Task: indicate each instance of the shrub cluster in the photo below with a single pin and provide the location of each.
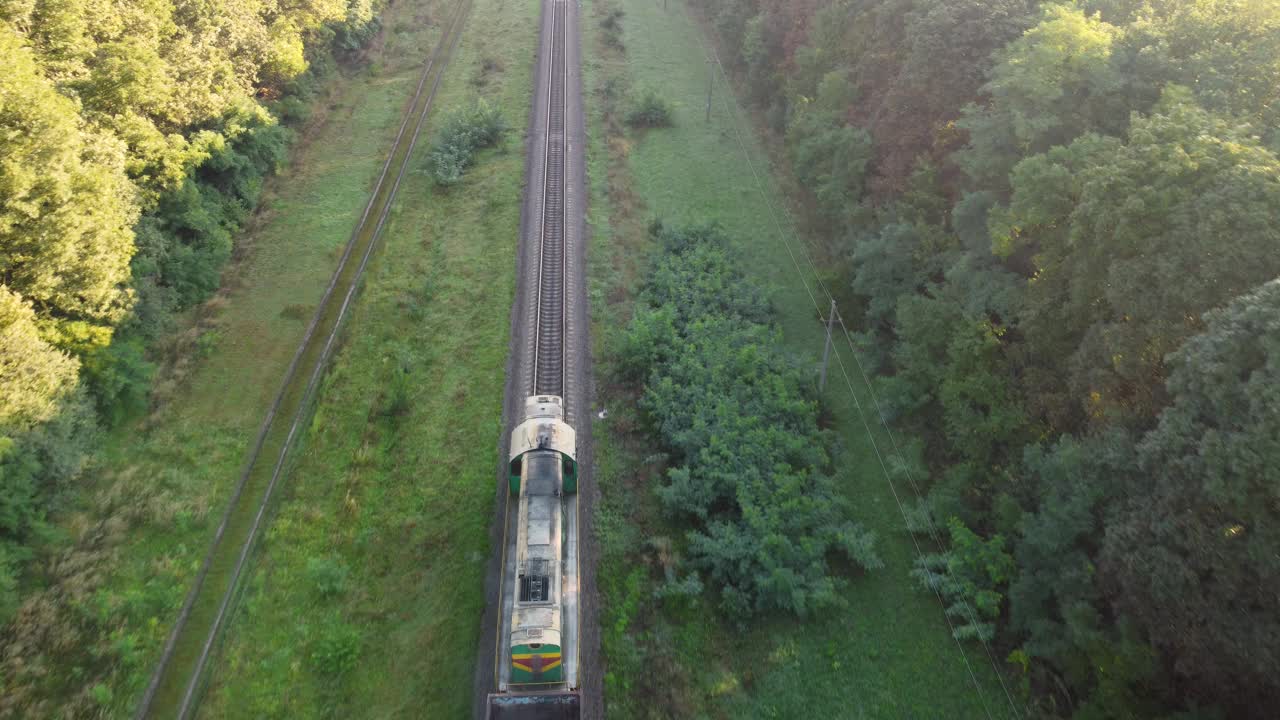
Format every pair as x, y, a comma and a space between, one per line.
749, 465
650, 111
612, 26
336, 649
465, 132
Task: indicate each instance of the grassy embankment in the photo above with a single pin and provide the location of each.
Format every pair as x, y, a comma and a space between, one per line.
888, 654
163, 481
367, 593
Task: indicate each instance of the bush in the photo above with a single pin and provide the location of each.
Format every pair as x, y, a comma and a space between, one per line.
970, 576
465, 132
335, 652
740, 422
120, 378
329, 576
612, 26
650, 112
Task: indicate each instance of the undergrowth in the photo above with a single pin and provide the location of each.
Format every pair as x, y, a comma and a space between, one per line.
465, 132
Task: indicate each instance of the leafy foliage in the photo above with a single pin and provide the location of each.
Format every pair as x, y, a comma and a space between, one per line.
465, 132
1058, 602
34, 377
1048, 87
1117, 228
650, 111
66, 205
1193, 557
337, 648
749, 464
969, 576
830, 158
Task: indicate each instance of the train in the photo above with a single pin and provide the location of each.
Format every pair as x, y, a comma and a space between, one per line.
542, 468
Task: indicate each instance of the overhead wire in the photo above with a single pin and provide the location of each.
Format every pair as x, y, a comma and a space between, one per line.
734, 113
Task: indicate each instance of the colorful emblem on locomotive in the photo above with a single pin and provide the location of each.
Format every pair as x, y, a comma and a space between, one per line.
536, 664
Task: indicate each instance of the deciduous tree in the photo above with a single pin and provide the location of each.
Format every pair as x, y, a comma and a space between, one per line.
1192, 554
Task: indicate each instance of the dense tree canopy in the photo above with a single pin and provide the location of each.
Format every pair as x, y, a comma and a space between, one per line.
941, 71
1193, 555
1122, 266
34, 377
1048, 208
1050, 85
66, 206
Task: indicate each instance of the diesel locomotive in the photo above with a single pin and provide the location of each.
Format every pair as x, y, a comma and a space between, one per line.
542, 469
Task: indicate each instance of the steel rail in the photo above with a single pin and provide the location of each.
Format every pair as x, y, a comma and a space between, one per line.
366, 233
549, 346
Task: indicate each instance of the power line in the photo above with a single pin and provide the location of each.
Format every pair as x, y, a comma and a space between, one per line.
932, 529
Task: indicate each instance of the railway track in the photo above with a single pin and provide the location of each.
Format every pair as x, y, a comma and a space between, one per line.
179, 677
549, 354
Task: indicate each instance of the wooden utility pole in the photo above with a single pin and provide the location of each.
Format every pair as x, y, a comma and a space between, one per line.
826, 353
711, 74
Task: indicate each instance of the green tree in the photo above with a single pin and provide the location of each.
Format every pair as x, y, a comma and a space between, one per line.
1192, 553
1058, 606
885, 270
924, 327
830, 159
951, 377
1048, 87
1124, 261
949, 46
44, 427
66, 207
34, 377
760, 55
1228, 51
980, 410
970, 575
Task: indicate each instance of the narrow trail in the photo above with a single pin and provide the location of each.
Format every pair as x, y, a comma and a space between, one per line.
178, 679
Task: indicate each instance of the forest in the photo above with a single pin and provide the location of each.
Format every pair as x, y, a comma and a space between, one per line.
134, 140
1058, 225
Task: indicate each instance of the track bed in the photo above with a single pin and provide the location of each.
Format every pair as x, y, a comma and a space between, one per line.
548, 357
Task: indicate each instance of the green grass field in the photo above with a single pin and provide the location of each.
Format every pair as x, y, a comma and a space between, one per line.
367, 594
889, 653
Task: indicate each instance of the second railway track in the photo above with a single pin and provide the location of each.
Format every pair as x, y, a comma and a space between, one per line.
175, 685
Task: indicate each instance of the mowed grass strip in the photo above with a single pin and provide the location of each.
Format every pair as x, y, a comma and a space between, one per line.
889, 653
366, 596
162, 482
